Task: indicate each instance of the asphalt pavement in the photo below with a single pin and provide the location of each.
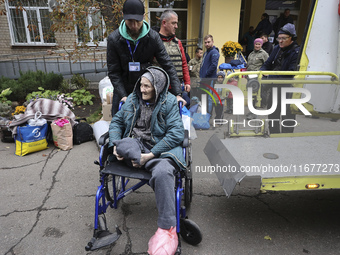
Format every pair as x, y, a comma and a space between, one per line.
47, 207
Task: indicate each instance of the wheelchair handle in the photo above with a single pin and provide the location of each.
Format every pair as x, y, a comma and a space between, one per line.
120, 105
180, 105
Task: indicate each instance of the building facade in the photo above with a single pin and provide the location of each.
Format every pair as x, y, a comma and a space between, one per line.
27, 32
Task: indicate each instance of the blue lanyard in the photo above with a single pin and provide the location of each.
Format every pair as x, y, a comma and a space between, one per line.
129, 46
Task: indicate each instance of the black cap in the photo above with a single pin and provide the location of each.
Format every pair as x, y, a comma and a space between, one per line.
133, 9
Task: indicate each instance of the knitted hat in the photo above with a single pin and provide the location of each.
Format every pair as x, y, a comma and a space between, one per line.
148, 76
258, 40
158, 79
221, 73
288, 29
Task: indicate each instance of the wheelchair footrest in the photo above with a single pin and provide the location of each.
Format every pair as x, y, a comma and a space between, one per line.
104, 238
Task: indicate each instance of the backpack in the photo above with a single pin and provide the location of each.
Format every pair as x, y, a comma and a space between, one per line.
82, 132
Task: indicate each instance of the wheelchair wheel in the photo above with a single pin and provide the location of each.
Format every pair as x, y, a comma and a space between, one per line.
190, 232
109, 187
187, 193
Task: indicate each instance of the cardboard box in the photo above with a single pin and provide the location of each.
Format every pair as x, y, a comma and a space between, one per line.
106, 110
109, 96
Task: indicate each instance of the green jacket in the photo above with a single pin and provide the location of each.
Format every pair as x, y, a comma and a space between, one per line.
196, 65
256, 59
167, 131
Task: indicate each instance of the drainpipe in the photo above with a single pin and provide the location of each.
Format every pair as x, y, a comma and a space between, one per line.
201, 28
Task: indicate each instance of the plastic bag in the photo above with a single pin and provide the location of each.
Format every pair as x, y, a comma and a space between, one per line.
201, 121
187, 123
164, 242
37, 121
105, 86
30, 139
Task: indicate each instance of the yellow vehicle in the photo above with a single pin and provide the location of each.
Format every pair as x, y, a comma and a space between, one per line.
309, 158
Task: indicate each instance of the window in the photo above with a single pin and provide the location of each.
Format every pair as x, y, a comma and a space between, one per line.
156, 9
94, 30
32, 25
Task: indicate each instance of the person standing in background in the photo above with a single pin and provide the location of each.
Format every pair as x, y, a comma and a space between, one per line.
264, 26
267, 46
283, 58
284, 19
248, 39
257, 57
174, 47
209, 64
195, 65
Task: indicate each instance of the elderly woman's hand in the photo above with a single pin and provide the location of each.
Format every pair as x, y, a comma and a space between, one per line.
144, 157
116, 154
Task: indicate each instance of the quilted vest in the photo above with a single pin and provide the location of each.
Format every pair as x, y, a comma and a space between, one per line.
172, 48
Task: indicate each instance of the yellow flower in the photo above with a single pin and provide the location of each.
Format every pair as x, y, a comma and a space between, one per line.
230, 48
19, 109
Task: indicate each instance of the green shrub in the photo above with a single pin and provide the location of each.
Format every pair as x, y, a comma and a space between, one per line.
66, 86
5, 110
49, 94
52, 81
18, 92
30, 82
79, 82
3, 80
4, 96
82, 96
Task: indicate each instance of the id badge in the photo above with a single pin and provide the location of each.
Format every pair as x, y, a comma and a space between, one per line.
134, 66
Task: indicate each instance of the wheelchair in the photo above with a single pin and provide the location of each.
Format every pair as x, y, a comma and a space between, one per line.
114, 185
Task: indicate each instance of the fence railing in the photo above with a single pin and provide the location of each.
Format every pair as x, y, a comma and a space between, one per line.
61, 62
65, 62
190, 46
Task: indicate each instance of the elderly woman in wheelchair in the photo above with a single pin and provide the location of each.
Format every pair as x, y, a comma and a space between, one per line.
146, 137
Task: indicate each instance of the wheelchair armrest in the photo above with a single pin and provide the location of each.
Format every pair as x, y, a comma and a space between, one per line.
103, 138
186, 138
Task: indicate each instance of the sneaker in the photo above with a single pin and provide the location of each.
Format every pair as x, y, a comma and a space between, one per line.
163, 242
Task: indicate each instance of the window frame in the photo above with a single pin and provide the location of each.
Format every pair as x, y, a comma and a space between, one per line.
90, 21
28, 42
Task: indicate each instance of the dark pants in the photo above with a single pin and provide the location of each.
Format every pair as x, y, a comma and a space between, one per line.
186, 97
274, 127
219, 111
229, 105
115, 103
163, 183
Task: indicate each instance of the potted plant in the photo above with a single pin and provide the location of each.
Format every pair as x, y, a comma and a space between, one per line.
230, 49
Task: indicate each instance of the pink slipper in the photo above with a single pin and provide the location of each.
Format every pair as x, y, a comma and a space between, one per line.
163, 242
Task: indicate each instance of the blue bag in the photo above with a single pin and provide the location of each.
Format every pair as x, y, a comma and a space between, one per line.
30, 139
201, 121
185, 111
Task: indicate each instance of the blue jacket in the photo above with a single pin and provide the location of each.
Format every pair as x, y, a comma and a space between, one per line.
167, 131
209, 63
288, 62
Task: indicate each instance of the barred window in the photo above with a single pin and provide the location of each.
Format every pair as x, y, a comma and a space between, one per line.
94, 30
30, 26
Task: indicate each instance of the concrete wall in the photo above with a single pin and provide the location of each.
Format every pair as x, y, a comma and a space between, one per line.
194, 13
257, 8
222, 22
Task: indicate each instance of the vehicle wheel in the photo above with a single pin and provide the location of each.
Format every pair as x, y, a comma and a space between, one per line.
190, 232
